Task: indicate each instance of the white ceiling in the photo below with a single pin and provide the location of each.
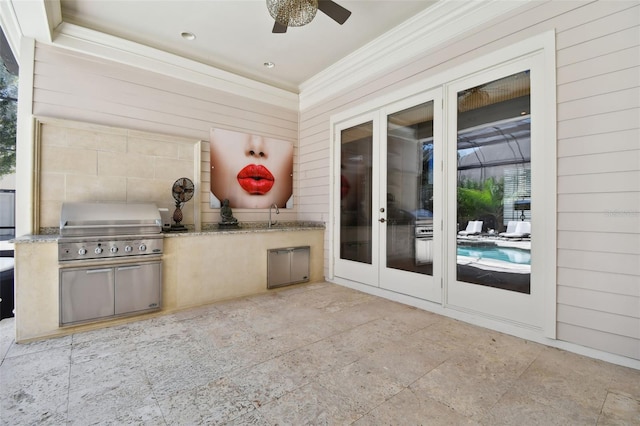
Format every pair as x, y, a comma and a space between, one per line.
235, 35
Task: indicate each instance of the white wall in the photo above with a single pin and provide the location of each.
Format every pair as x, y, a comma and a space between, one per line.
598, 92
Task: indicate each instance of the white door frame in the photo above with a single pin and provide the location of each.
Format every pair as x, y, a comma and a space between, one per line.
544, 190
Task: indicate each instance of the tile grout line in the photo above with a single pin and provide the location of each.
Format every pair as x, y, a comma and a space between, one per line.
73, 338
148, 381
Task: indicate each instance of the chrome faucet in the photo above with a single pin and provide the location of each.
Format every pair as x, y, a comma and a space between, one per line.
277, 212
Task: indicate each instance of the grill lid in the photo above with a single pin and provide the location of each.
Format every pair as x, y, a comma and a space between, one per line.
91, 219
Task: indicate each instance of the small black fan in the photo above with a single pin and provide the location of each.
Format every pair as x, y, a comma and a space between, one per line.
182, 191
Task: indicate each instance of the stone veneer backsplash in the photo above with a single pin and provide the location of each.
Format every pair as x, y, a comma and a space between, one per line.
91, 163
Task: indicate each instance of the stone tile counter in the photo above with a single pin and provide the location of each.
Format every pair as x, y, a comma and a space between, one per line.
198, 268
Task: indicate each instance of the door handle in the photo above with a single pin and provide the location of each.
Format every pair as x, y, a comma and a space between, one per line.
382, 220
128, 268
99, 271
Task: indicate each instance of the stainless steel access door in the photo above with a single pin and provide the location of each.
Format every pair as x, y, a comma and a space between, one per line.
138, 287
86, 294
287, 266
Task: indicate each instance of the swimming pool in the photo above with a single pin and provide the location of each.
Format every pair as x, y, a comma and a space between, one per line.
505, 254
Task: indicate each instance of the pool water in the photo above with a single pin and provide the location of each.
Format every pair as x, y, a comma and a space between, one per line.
506, 254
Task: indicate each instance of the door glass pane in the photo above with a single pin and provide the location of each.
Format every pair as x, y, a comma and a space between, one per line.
410, 189
494, 184
355, 193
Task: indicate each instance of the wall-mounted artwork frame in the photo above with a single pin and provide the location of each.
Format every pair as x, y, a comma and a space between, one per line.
251, 171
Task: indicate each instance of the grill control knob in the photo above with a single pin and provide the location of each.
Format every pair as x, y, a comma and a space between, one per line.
128, 249
113, 249
142, 247
82, 251
98, 250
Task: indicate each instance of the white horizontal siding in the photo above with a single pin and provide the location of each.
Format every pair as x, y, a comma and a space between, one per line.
92, 67
621, 242
604, 182
625, 140
605, 123
576, 203
622, 305
599, 281
598, 184
621, 161
604, 341
600, 261
601, 321
615, 220
109, 93
628, 99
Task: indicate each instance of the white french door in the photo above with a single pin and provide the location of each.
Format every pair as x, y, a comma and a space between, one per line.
493, 143
389, 183
473, 160
356, 200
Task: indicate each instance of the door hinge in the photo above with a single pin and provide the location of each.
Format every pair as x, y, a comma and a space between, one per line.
441, 283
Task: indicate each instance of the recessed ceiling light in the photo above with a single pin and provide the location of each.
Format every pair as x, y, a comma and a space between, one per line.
188, 36
269, 64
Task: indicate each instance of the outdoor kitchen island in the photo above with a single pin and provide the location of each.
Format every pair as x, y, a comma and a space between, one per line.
198, 268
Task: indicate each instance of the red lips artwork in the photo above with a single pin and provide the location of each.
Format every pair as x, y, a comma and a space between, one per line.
256, 179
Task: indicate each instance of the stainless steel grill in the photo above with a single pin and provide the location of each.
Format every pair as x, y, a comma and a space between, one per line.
109, 230
424, 241
110, 261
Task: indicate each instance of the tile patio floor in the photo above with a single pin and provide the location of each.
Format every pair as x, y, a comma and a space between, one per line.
310, 354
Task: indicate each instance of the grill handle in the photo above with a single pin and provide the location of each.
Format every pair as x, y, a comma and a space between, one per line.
119, 225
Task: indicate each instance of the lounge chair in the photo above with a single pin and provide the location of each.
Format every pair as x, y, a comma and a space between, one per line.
511, 228
473, 227
523, 229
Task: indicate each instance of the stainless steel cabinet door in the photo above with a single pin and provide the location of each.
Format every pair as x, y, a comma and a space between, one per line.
138, 287
287, 266
86, 294
278, 268
300, 264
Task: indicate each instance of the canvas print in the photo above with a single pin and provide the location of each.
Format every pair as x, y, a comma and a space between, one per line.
251, 171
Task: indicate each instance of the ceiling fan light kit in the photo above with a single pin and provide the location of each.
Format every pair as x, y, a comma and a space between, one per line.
296, 13
292, 13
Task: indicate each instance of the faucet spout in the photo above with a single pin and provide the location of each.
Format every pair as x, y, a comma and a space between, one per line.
274, 205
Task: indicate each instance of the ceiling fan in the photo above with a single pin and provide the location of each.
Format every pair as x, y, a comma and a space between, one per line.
296, 13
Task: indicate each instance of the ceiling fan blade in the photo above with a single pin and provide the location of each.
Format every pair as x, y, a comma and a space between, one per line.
278, 28
334, 11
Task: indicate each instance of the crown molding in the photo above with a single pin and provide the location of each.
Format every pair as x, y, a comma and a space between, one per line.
431, 27
42, 21
84, 40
